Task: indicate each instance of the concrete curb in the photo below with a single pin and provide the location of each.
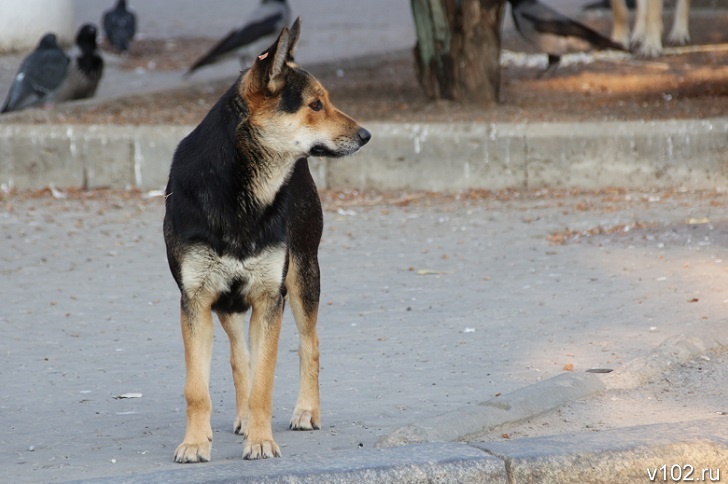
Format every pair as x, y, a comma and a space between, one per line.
691, 451
674, 351
697, 449
34, 156
468, 423
424, 156
442, 463
589, 155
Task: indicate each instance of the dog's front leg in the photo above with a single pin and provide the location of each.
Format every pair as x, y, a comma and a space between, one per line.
303, 287
265, 329
197, 330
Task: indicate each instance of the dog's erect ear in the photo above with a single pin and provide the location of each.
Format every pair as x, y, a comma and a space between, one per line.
293, 34
270, 64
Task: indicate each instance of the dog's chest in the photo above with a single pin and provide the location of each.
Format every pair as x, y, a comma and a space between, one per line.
228, 283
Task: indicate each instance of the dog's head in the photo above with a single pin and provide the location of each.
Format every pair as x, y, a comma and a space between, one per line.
291, 109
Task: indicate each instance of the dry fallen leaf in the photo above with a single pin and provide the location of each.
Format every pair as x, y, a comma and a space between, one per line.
427, 272
698, 221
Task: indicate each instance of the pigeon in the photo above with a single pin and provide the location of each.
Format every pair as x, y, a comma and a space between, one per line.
85, 73
258, 32
606, 5
554, 33
119, 26
41, 75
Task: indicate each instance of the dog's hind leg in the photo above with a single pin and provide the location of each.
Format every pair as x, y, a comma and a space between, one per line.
234, 326
305, 227
197, 330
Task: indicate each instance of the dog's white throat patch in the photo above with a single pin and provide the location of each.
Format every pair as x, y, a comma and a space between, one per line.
266, 185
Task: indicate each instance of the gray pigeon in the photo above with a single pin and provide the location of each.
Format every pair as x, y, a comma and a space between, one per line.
119, 26
258, 32
40, 76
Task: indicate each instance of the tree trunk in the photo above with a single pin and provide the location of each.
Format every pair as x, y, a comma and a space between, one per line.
458, 48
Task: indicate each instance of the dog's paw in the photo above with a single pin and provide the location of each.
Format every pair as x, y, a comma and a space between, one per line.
304, 420
190, 453
239, 425
264, 449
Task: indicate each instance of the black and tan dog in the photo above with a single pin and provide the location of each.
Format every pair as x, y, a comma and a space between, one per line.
242, 228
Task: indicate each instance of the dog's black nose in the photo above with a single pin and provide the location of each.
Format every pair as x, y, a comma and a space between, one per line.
364, 136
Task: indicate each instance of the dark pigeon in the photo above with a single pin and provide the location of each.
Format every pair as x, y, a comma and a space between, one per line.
119, 26
40, 76
86, 71
258, 32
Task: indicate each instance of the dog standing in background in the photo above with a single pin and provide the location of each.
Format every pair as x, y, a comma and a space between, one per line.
648, 25
242, 227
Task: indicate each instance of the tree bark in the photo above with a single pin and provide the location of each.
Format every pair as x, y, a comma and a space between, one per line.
458, 48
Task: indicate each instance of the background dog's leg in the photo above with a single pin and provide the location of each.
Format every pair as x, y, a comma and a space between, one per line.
234, 326
197, 332
265, 329
638, 32
680, 33
303, 287
620, 22
652, 34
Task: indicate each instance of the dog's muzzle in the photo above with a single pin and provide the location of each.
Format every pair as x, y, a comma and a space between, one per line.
344, 146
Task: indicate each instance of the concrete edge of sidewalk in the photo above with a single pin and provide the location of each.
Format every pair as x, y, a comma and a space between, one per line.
697, 449
429, 452
671, 353
468, 423
691, 154
688, 451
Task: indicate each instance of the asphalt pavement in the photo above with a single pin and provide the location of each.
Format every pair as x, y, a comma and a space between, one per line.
440, 321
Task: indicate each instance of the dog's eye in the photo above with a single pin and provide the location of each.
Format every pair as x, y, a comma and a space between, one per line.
317, 105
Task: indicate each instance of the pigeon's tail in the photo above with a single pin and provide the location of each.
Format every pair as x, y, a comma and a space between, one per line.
599, 4
210, 57
603, 43
576, 29
606, 4
200, 63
